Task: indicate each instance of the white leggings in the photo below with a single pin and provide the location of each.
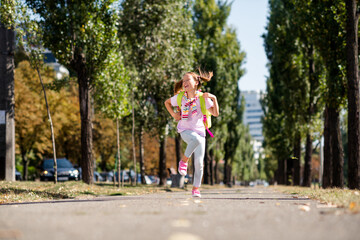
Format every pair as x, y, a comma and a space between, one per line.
196, 144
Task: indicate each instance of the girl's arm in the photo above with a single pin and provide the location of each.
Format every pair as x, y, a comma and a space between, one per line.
214, 110
171, 111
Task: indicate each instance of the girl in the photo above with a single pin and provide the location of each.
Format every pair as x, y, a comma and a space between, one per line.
191, 126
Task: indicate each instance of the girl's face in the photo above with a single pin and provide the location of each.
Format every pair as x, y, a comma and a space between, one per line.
189, 83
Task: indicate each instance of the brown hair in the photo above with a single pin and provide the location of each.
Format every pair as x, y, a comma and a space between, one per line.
201, 77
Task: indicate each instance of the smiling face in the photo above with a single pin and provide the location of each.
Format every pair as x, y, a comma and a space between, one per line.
189, 83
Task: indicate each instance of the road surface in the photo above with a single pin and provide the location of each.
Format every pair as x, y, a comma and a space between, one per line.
234, 213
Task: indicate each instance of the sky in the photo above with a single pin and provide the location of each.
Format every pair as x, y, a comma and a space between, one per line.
249, 18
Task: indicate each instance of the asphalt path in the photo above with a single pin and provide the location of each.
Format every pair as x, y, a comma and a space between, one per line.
234, 213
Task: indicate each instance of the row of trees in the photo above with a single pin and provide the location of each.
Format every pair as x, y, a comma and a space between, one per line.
125, 57
312, 51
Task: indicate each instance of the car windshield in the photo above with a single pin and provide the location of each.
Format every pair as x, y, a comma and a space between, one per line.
61, 163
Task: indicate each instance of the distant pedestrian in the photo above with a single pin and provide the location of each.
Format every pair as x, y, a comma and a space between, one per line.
189, 100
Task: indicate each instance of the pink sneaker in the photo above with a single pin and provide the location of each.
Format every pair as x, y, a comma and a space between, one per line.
182, 168
196, 193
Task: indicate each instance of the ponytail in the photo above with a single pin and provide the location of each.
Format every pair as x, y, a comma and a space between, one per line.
205, 76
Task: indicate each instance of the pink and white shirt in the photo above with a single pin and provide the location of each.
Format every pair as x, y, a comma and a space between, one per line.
194, 122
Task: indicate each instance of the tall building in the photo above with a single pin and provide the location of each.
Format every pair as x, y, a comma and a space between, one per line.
253, 113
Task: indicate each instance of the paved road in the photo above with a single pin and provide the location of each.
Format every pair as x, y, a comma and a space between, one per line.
237, 213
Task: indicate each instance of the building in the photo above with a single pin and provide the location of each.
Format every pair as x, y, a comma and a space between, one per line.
252, 117
253, 113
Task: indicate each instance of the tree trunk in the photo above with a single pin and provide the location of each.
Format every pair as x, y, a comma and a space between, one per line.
178, 150
227, 170
353, 94
133, 138
289, 171
162, 157
118, 152
87, 161
25, 162
51, 126
7, 104
280, 173
141, 155
297, 160
228, 175
307, 165
337, 149
225, 180
327, 172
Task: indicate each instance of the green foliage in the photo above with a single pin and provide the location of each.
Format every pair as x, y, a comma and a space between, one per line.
219, 51
158, 45
78, 29
8, 13
112, 88
306, 65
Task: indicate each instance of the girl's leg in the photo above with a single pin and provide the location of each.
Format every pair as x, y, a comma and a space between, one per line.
199, 163
193, 140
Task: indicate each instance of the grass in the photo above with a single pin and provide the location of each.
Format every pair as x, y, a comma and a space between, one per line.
16, 192
343, 198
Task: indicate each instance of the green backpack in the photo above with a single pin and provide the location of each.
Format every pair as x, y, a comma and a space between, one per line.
206, 114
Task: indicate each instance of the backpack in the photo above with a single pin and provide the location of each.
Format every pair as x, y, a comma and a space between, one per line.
206, 114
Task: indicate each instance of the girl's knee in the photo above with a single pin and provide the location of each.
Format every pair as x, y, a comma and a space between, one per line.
195, 140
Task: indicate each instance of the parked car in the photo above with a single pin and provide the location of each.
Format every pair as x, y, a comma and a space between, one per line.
154, 179
98, 177
147, 179
65, 170
107, 176
17, 175
122, 173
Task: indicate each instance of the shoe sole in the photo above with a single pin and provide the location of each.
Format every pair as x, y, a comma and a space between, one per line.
182, 173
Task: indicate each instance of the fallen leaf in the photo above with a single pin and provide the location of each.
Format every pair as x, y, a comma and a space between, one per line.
352, 206
304, 208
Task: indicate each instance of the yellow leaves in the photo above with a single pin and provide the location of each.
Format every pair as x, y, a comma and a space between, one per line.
354, 207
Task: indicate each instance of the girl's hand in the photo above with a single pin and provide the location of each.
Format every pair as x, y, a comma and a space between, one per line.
209, 95
214, 110
177, 116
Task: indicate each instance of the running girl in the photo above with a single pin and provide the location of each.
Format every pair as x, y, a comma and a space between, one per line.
191, 126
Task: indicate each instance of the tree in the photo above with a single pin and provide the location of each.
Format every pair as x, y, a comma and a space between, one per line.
30, 117
330, 43
159, 37
352, 70
278, 103
219, 51
111, 94
33, 135
85, 34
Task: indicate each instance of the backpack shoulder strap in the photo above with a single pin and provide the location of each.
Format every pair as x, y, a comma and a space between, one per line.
179, 98
202, 104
